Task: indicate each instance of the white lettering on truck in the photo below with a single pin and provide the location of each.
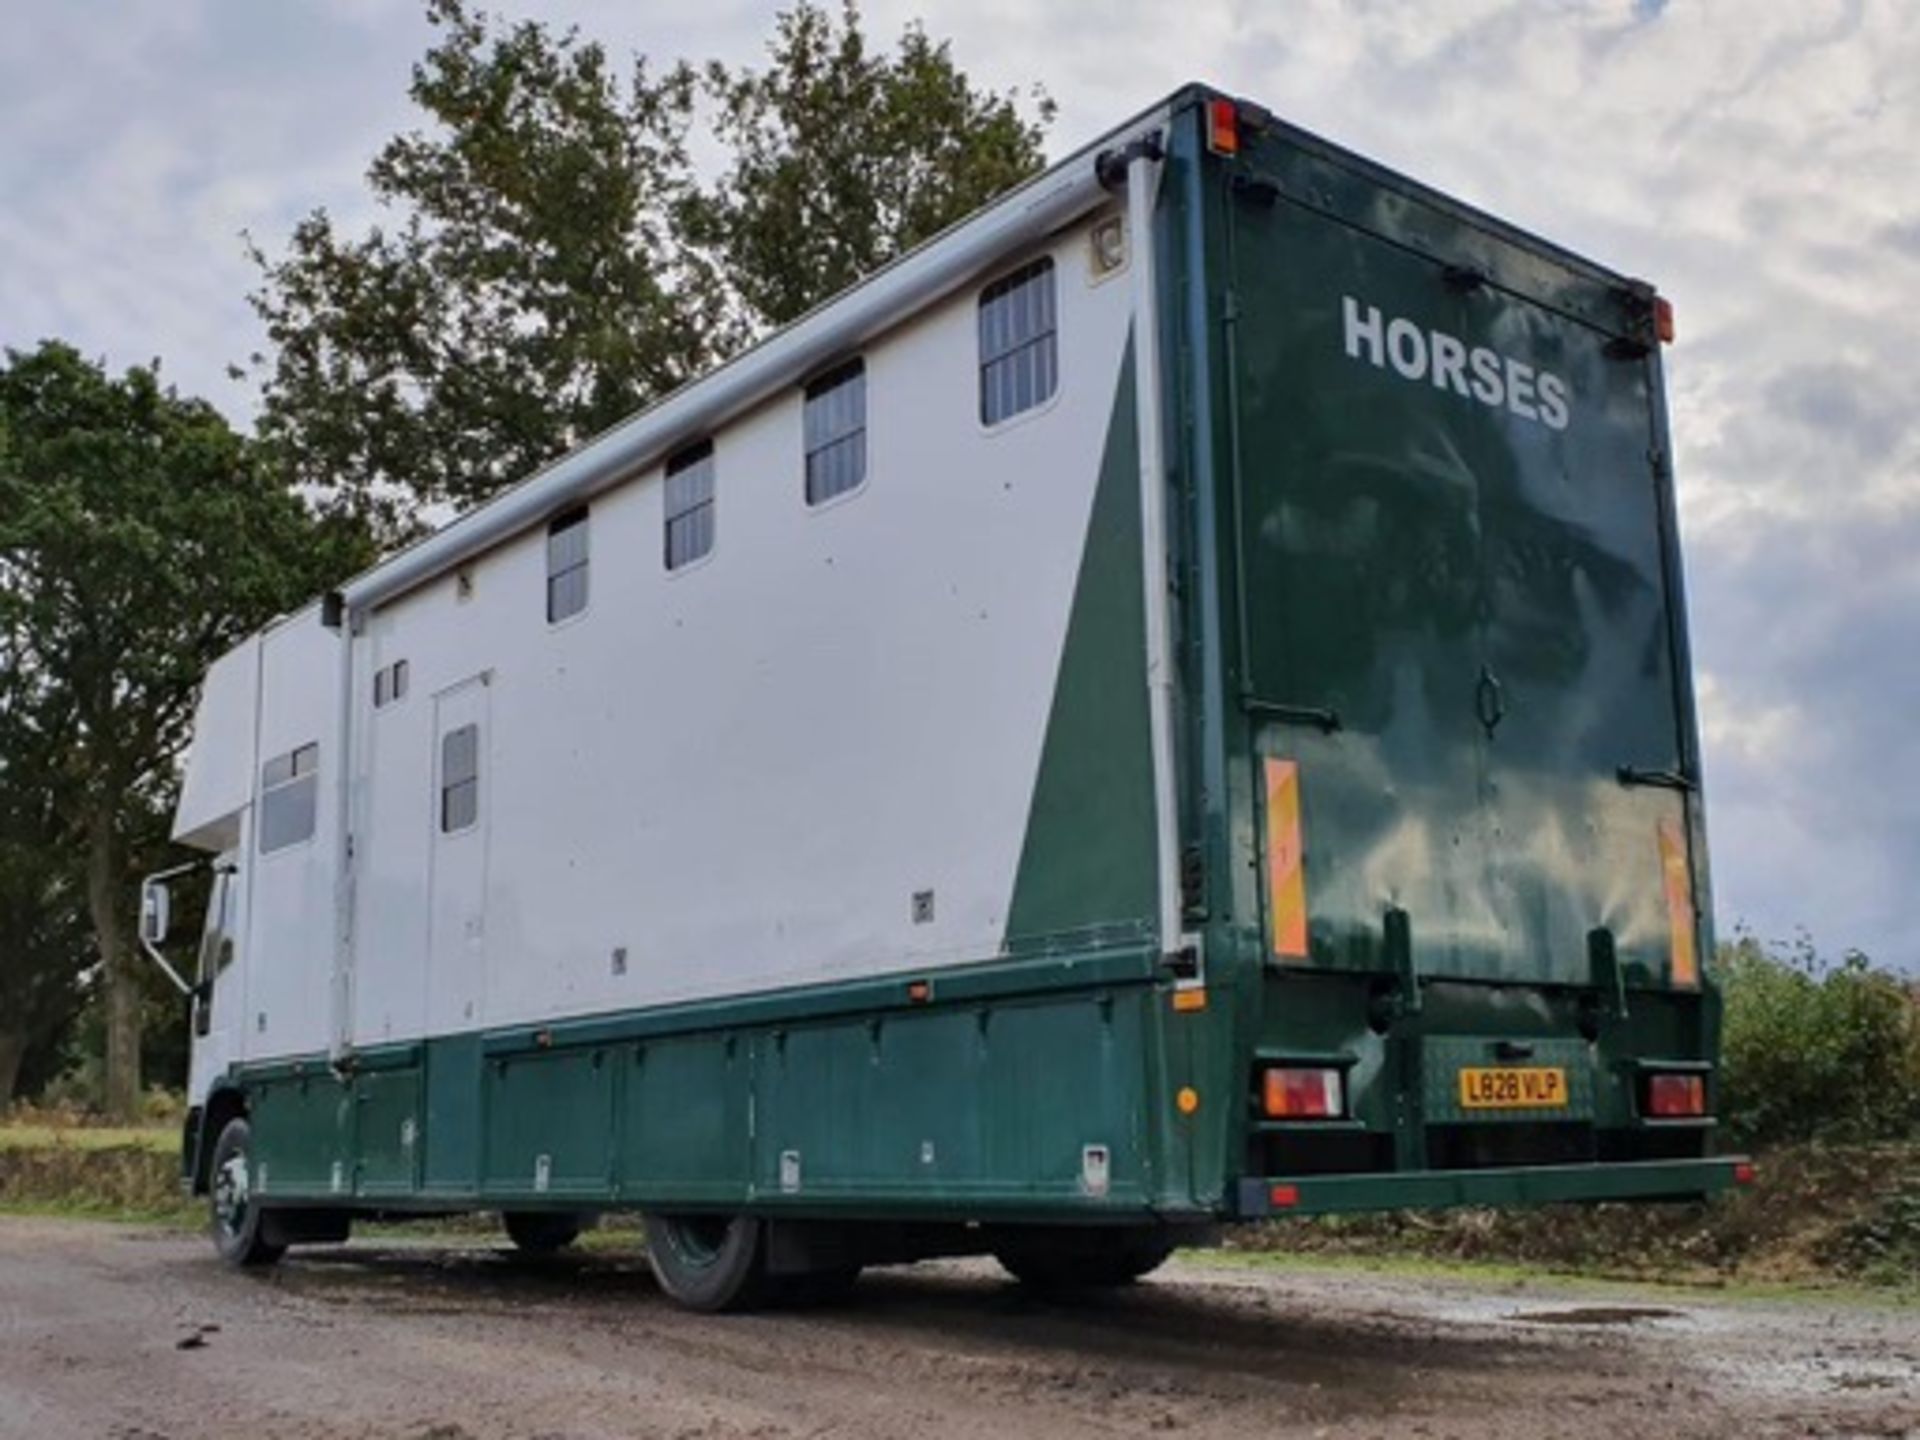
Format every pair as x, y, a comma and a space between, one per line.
1444, 361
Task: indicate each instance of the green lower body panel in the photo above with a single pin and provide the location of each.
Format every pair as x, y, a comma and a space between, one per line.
1517, 1185
952, 1105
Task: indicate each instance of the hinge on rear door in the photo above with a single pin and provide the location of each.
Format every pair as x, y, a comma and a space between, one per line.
1657, 462
1193, 883
1230, 307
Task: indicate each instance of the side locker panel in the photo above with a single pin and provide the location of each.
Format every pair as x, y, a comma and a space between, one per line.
1008, 1104
387, 1133
302, 1134
684, 1120
1067, 1081
884, 1105
550, 1124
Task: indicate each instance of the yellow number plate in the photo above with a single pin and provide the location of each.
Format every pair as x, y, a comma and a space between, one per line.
1511, 1087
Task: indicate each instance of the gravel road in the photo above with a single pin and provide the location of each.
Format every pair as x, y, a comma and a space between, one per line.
140, 1334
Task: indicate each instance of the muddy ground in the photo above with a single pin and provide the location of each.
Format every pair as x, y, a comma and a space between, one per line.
139, 1334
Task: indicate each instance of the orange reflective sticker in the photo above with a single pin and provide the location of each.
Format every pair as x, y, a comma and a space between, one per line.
1685, 961
1286, 875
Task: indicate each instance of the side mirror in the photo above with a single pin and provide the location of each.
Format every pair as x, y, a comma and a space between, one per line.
156, 912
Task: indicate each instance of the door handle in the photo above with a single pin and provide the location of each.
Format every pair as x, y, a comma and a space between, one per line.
1665, 779
1489, 699
1320, 717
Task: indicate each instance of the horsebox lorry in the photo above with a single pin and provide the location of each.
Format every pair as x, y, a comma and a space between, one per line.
1167, 705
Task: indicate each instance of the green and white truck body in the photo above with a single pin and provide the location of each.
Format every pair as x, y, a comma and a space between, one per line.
1167, 704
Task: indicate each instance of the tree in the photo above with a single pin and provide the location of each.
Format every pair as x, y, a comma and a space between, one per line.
554, 264
139, 538
530, 295
844, 159
43, 941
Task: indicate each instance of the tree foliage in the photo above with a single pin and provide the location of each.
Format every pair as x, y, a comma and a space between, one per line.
841, 159
554, 263
1817, 1050
43, 937
138, 540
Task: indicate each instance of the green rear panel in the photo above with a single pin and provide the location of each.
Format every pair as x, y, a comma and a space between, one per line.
1476, 594
1446, 590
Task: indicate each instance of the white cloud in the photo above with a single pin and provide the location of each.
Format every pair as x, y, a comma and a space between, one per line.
1762, 163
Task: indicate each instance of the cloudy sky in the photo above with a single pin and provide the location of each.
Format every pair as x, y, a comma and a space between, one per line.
1760, 162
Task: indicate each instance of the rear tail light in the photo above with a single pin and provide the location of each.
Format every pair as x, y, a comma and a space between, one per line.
1303, 1094
1676, 1097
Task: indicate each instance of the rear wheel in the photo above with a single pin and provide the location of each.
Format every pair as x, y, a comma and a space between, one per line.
541, 1232
1068, 1258
234, 1213
708, 1262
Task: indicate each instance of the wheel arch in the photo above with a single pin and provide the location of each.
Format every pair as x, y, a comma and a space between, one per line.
225, 1101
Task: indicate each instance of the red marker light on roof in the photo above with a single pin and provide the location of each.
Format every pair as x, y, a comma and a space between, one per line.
1663, 319
1223, 127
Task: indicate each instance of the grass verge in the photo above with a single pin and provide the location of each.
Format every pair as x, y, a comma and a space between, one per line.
1819, 1216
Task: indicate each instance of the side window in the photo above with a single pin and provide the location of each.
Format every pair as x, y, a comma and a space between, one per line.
689, 505
459, 779
216, 943
836, 432
567, 565
389, 683
1019, 344
289, 797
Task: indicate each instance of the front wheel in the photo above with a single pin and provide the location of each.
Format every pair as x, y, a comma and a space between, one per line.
234, 1213
708, 1262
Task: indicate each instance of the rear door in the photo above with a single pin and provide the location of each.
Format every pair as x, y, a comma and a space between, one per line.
1453, 605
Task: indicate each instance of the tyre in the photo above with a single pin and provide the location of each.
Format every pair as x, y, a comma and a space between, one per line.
1069, 1258
541, 1232
708, 1262
235, 1217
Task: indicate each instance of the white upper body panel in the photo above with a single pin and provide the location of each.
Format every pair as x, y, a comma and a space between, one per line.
809, 755
737, 776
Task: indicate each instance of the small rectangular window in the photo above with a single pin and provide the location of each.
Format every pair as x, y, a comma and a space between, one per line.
389, 683
1019, 353
836, 432
459, 778
689, 505
567, 565
289, 798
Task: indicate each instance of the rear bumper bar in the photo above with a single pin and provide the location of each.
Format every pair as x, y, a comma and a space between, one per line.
1257, 1197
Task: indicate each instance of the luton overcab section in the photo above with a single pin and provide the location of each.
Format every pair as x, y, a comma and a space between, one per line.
1167, 705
